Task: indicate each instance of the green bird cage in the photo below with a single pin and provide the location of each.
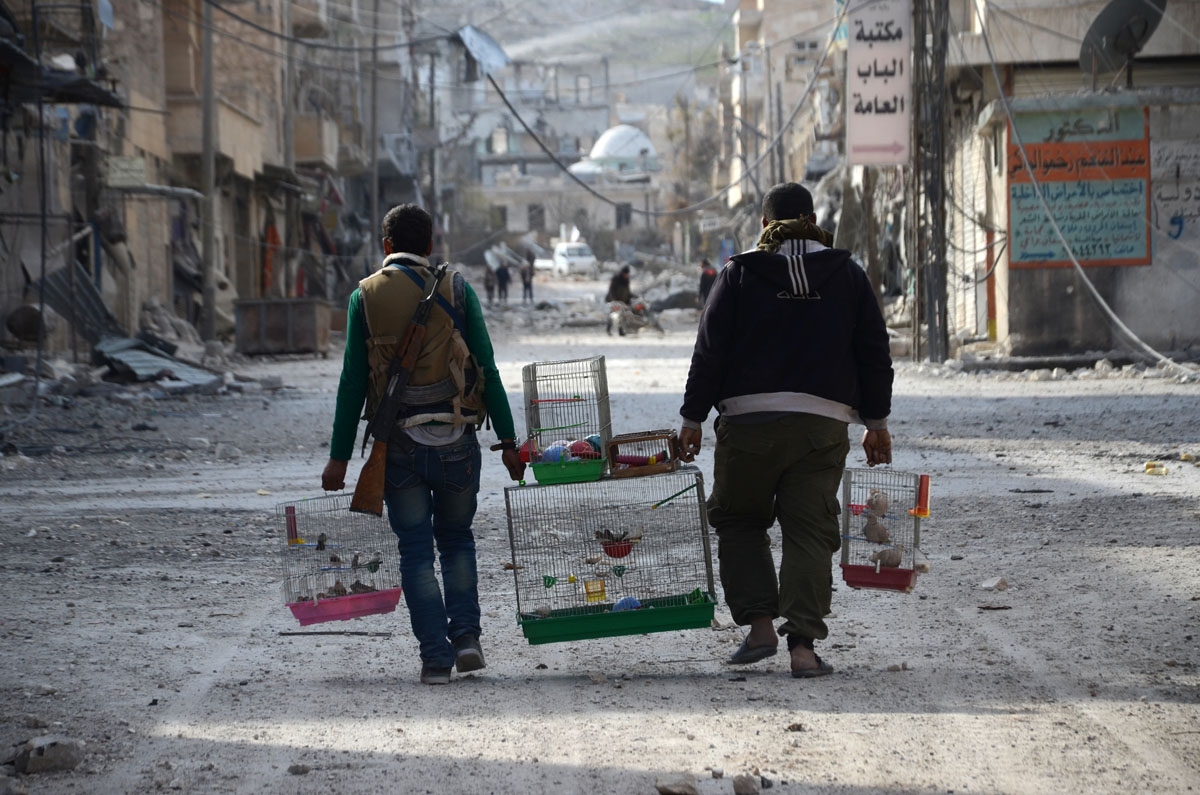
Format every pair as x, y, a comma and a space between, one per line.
567, 418
611, 557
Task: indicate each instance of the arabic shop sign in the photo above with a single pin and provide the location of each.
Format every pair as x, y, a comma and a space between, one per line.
878, 84
1093, 167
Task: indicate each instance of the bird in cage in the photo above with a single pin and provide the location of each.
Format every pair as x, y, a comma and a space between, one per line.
875, 531
877, 503
890, 558
371, 565
606, 534
321, 542
358, 587
336, 590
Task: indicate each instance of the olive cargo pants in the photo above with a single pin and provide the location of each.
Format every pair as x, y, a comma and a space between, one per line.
790, 469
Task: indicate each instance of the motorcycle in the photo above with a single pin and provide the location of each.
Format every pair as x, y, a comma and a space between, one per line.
632, 318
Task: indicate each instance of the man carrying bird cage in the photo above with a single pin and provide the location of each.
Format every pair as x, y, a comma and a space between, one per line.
791, 349
433, 455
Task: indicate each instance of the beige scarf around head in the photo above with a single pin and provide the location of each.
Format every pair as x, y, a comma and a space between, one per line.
774, 233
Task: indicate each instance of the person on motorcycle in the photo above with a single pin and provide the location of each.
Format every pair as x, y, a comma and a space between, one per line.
619, 290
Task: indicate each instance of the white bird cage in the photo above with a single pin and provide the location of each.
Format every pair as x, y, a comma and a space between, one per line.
881, 528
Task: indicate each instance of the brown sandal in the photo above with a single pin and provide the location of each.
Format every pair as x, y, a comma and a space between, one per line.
823, 669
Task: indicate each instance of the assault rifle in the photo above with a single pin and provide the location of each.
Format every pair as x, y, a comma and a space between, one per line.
368, 492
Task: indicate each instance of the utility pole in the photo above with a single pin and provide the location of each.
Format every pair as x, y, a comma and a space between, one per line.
779, 143
939, 333
291, 238
929, 178
685, 106
209, 186
435, 188
770, 111
874, 267
376, 234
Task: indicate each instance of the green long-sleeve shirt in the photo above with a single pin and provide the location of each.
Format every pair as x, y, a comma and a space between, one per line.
352, 388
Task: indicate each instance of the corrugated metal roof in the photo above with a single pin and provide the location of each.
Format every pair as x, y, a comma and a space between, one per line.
133, 357
80, 302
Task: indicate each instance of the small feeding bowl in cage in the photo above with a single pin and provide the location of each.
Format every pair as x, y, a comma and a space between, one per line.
618, 543
881, 522
644, 453
616, 549
337, 564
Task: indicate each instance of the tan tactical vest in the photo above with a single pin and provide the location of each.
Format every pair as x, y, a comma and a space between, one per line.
446, 384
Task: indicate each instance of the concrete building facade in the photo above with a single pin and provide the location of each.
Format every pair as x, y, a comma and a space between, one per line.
124, 176
778, 46
1115, 156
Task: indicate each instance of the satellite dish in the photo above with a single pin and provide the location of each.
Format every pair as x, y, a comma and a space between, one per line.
1119, 33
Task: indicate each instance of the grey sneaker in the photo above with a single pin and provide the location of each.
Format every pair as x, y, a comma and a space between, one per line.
434, 675
468, 654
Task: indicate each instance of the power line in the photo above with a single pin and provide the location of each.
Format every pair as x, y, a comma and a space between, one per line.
704, 202
318, 45
1005, 12
274, 53
384, 76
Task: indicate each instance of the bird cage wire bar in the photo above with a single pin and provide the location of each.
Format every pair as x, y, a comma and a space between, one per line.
579, 546
566, 400
860, 510
330, 552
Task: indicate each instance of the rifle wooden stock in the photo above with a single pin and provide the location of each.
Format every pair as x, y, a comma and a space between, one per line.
368, 492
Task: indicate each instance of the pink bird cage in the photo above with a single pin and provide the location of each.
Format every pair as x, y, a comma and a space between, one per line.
337, 565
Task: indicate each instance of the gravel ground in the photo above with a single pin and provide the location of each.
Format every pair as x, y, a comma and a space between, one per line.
140, 544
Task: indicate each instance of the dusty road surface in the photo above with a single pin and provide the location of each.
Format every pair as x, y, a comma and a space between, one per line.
143, 612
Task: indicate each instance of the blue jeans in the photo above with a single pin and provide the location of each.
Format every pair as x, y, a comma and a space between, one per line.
431, 498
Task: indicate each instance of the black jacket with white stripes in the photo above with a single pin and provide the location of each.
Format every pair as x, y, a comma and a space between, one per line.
798, 331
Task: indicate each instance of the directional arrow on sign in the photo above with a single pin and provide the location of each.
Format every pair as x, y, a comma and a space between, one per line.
895, 147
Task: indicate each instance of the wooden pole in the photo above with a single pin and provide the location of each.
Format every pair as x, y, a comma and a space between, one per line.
209, 186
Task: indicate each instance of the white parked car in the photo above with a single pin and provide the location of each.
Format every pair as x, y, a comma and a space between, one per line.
568, 258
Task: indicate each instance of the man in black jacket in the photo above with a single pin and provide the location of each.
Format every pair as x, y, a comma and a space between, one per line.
791, 349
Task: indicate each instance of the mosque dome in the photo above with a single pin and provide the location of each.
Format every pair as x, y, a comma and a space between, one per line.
622, 149
623, 142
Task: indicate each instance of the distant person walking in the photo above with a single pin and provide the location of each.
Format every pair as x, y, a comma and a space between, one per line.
708, 275
489, 283
527, 281
503, 278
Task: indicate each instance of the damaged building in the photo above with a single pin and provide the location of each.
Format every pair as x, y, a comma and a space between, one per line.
119, 146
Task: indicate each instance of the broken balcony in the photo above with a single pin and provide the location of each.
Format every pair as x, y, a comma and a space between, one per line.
316, 140
238, 134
